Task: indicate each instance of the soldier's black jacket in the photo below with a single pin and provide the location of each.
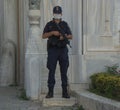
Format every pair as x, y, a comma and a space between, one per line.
51, 26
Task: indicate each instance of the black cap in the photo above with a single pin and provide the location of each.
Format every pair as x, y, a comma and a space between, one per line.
57, 10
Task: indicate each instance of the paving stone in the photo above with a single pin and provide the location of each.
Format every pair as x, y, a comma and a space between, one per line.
9, 101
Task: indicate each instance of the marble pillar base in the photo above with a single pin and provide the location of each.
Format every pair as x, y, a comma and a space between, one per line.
32, 76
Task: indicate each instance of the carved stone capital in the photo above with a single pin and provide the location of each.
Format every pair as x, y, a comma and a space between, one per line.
34, 16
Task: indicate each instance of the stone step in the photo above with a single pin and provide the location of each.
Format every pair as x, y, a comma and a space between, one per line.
57, 89
57, 84
46, 76
58, 101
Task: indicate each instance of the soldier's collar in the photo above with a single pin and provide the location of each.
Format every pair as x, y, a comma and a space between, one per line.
54, 20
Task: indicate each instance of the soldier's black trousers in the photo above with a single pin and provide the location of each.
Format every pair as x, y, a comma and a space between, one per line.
57, 54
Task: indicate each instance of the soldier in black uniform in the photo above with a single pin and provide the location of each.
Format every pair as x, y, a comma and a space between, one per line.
57, 51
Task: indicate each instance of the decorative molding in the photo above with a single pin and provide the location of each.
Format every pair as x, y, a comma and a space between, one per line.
34, 16
34, 4
107, 32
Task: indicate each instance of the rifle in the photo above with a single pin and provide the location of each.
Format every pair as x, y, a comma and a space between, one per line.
63, 34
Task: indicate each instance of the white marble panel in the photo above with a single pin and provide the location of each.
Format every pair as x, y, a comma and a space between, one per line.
10, 20
97, 12
32, 76
96, 63
9, 42
116, 23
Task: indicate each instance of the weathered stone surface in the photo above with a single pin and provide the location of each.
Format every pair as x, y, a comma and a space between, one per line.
7, 67
91, 101
57, 100
9, 101
8, 41
32, 57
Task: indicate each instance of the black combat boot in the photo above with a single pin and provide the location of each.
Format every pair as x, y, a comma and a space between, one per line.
50, 93
65, 93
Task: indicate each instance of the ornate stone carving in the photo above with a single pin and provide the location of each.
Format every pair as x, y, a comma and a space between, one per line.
107, 31
34, 16
34, 4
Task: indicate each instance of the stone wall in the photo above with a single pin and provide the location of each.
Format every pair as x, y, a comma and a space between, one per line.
1, 29
9, 43
1, 22
101, 35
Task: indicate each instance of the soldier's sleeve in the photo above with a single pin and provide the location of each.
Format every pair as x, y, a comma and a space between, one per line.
46, 29
68, 29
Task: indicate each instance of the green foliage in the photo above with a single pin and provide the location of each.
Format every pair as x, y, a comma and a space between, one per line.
112, 69
106, 84
78, 108
81, 108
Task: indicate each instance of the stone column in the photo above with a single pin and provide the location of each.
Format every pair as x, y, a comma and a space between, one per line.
32, 60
